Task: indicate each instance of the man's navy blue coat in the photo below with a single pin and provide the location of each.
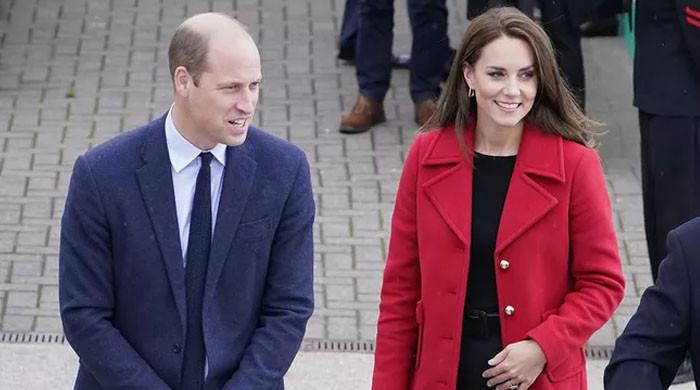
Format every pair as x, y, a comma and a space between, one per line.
122, 281
667, 323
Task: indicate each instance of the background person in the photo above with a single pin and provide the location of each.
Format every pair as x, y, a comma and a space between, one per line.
430, 49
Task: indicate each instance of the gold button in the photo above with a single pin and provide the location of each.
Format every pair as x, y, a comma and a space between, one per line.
504, 264
509, 310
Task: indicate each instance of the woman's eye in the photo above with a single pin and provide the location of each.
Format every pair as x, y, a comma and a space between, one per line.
528, 75
495, 74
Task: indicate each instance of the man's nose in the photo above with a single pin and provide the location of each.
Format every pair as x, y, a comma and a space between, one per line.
246, 102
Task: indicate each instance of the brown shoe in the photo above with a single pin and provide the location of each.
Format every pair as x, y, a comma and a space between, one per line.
423, 111
365, 114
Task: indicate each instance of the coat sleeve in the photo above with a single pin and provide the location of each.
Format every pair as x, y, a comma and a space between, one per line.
596, 273
288, 299
86, 291
397, 328
650, 350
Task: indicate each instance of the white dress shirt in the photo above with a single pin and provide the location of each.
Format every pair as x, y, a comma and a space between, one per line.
185, 167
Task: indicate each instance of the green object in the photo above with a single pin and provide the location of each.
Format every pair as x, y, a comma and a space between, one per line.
627, 28
70, 93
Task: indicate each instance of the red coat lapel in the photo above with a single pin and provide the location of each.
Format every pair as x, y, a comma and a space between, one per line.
540, 158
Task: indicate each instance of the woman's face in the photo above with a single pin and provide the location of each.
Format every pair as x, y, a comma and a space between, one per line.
504, 81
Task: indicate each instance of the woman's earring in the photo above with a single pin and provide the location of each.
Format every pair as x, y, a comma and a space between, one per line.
471, 92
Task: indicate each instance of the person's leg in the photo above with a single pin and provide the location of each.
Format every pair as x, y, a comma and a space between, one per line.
372, 65
656, 252
670, 187
348, 31
566, 39
670, 177
430, 48
373, 55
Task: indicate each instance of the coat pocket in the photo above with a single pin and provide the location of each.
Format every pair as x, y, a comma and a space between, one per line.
420, 319
569, 367
253, 229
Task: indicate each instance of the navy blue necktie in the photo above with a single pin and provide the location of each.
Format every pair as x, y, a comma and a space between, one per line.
195, 274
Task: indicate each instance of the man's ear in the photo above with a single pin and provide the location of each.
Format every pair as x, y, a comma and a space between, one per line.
182, 81
468, 73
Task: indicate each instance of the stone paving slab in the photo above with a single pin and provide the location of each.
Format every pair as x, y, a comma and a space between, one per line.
74, 73
32, 366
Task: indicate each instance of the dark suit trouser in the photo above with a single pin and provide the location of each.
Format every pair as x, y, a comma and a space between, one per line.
348, 29
670, 151
565, 37
428, 52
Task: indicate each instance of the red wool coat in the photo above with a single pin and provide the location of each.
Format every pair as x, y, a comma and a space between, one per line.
563, 279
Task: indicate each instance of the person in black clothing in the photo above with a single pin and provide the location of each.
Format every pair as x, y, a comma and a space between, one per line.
667, 94
503, 259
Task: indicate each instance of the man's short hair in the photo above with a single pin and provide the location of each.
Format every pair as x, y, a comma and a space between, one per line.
188, 48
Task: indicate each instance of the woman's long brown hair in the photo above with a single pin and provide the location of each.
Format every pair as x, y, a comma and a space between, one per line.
554, 109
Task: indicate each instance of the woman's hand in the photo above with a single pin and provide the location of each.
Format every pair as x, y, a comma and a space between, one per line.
517, 364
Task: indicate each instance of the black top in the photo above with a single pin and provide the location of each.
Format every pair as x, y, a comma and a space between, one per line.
490, 185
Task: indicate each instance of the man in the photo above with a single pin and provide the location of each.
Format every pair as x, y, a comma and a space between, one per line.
186, 245
654, 343
667, 93
430, 51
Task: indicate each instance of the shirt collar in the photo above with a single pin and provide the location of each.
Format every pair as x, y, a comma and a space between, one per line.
181, 151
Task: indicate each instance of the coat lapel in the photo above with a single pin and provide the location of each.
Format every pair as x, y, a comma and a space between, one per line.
540, 157
156, 183
450, 190
239, 174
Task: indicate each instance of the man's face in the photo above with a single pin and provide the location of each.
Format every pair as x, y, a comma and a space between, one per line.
222, 106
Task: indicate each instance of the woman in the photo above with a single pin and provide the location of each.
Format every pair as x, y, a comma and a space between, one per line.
503, 259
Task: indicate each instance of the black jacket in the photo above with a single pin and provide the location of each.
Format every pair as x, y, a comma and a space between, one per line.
667, 60
667, 322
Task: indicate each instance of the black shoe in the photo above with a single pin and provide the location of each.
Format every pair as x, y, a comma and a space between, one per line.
347, 53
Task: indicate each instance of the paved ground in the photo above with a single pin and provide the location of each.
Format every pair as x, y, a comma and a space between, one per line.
74, 73
24, 366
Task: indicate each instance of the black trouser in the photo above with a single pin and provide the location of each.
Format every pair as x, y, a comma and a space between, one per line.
670, 151
478, 345
565, 37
